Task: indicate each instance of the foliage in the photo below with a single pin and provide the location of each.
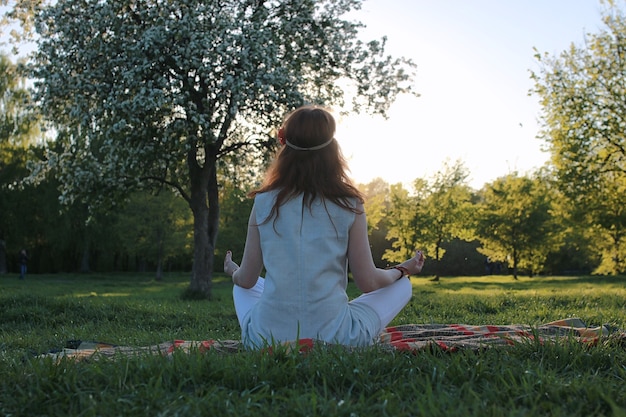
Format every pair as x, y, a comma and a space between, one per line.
154, 228
155, 91
444, 215
581, 92
19, 126
19, 17
133, 310
514, 222
377, 204
437, 213
19, 129
461, 257
402, 230
608, 216
236, 208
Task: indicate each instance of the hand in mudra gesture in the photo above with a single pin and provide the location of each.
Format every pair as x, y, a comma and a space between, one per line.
229, 265
415, 264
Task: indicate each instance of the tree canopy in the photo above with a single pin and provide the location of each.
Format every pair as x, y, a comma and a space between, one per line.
514, 222
584, 124
436, 214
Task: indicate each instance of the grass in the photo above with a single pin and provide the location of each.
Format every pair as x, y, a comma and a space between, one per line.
564, 379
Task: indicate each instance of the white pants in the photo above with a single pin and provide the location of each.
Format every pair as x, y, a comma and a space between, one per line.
387, 301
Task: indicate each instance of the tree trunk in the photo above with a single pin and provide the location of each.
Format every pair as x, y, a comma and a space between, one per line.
514, 263
214, 213
204, 232
3, 255
616, 258
159, 266
437, 261
84, 260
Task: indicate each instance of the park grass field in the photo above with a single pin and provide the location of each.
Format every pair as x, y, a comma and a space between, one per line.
43, 312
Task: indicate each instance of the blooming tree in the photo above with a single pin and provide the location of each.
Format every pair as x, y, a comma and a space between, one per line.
160, 91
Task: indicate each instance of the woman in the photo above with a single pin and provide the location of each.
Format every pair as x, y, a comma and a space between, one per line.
306, 226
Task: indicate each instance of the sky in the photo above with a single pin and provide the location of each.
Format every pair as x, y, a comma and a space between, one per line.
474, 59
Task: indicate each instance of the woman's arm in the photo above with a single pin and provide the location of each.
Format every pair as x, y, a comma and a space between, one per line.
248, 273
366, 275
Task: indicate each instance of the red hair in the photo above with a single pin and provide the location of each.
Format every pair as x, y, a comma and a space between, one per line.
315, 173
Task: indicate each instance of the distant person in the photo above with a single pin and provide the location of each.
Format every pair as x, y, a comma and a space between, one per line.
307, 226
23, 258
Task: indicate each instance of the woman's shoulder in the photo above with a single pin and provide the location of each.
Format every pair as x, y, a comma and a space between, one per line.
269, 195
263, 202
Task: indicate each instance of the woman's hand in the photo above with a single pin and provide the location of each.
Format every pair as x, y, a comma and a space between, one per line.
229, 266
415, 264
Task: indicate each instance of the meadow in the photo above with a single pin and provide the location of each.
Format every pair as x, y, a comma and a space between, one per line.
44, 312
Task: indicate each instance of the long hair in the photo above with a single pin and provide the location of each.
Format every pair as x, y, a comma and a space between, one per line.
320, 172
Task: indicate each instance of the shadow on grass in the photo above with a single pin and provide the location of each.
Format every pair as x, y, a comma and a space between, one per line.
501, 282
115, 285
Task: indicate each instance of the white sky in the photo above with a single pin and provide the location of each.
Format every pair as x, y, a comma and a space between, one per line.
473, 74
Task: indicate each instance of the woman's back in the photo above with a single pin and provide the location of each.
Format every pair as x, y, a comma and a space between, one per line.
305, 257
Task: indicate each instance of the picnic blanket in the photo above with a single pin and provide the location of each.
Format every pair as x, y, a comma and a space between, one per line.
407, 337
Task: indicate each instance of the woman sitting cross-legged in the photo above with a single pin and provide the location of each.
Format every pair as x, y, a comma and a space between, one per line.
307, 227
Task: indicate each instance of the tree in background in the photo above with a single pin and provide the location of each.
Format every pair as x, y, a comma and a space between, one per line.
608, 216
377, 204
446, 211
153, 228
584, 123
159, 92
240, 176
514, 223
575, 251
401, 222
438, 212
19, 128
31, 216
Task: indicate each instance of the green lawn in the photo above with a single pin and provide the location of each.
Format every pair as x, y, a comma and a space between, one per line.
42, 313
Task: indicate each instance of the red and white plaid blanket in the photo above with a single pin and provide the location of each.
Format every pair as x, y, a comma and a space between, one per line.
407, 337
451, 337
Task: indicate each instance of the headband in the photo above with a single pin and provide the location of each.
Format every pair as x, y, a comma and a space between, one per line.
313, 148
